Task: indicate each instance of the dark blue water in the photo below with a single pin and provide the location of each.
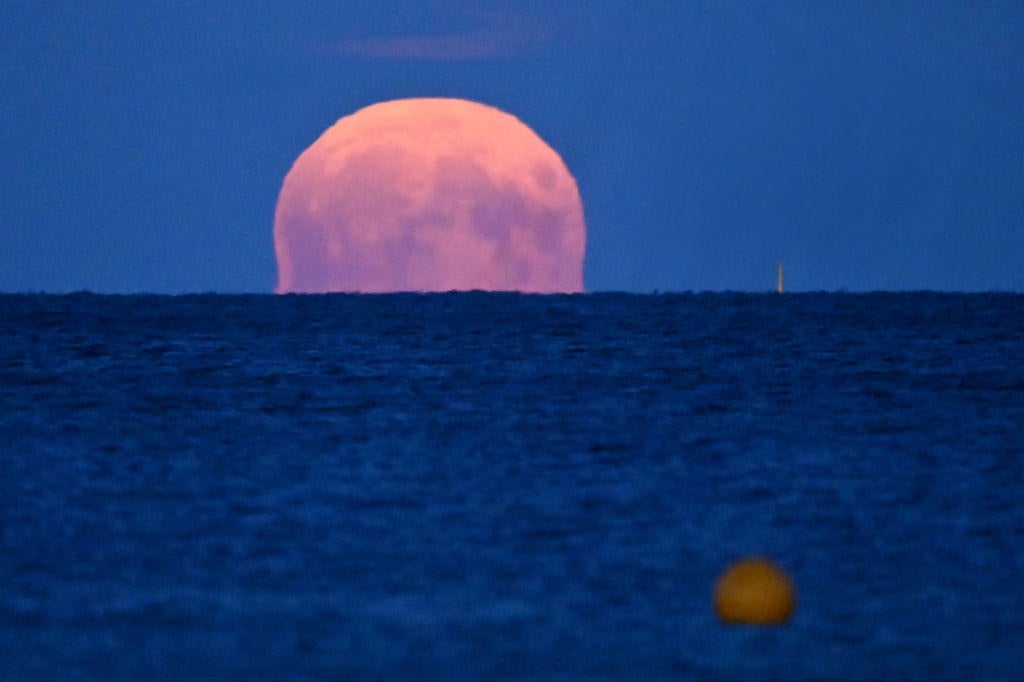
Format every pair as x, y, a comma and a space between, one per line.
503, 487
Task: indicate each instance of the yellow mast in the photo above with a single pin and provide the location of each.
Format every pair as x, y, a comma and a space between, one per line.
778, 287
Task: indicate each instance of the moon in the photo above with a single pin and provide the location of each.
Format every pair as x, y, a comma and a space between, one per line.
429, 194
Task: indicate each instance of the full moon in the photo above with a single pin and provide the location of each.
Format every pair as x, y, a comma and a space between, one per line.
429, 195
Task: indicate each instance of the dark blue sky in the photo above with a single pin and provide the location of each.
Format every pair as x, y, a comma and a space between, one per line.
868, 145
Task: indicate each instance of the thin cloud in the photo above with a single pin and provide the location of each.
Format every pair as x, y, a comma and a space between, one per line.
503, 35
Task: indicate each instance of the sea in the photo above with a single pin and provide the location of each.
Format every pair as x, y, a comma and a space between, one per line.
499, 486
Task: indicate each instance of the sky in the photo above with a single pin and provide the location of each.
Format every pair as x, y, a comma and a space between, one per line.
867, 145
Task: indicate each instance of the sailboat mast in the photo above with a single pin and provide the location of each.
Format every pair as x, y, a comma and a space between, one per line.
778, 286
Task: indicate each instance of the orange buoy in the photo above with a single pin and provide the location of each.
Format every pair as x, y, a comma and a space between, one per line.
754, 591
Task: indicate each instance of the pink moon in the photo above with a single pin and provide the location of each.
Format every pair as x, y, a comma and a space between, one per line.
429, 195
